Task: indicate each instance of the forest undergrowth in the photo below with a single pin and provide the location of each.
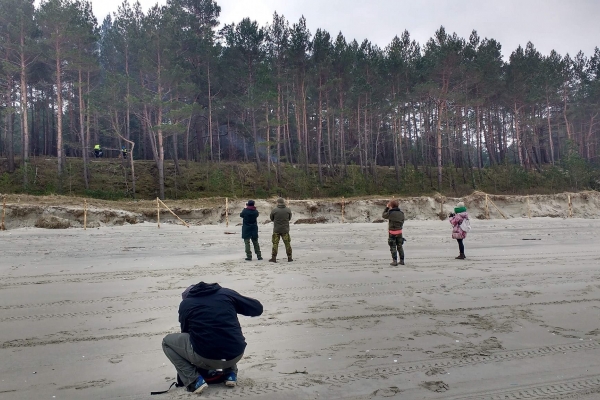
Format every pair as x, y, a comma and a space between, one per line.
110, 179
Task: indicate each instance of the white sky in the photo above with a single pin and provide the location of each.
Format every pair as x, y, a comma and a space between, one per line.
566, 26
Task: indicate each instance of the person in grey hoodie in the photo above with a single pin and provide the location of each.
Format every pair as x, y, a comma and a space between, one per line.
281, 216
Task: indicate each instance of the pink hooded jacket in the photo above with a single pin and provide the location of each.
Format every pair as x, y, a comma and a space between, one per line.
455, 221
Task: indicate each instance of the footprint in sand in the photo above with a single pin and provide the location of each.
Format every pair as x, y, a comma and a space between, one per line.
264, 366
387, 392
435, 386
116, 359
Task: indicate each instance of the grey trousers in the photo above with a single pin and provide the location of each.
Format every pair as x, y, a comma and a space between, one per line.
178, 349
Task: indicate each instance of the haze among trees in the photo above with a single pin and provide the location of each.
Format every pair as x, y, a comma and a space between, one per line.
169, 84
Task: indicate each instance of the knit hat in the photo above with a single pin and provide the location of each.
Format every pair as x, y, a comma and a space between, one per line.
250, 203
281, 200
460, 207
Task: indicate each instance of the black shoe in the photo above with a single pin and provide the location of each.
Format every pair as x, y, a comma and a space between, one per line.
248, 258
394, 263
290, 259
401, 262
259, 258
273, 259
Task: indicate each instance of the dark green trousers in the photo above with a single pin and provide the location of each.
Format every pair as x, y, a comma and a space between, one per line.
256, 247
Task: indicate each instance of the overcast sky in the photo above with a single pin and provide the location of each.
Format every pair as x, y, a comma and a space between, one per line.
566, 26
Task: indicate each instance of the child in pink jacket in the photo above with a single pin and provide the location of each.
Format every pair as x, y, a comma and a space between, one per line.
456, 219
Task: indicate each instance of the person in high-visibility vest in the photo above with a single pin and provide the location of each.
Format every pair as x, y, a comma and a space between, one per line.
124, 151
98, 151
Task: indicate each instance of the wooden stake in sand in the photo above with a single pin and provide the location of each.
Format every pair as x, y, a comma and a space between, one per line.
343, 207
442, 206
226, 211
175, 215
85, 214
496, 207
158, 212
2, 228
570, 206
528, 208
487, 208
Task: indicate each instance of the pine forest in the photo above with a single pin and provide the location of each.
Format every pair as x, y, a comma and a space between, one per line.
172, 86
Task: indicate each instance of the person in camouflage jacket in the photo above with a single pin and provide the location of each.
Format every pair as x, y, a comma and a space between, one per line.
395, 218
281, 216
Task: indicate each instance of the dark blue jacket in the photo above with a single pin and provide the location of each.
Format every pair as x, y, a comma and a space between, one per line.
250, 224
209, 315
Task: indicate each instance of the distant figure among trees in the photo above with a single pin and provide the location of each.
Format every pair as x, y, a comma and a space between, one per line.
98, 151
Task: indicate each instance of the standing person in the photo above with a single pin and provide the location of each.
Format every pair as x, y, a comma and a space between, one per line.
211, 336
249, 216
395, 218
281, 216
124, 152
98, 151
456, 219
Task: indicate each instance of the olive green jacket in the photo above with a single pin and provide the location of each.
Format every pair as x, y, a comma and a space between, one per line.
281, 216
395, 217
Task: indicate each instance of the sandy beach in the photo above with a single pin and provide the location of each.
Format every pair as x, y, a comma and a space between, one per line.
83, 313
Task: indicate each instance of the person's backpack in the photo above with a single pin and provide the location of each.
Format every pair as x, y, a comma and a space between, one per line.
465, 225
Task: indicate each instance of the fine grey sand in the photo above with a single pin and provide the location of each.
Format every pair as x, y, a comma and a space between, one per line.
83, 313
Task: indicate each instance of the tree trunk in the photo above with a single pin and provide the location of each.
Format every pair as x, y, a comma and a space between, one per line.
550, 140
24, 116
518, 136
320, 132
82, 134
255, 135
10, 130
210, 127
278, 138
59, 120
439, 145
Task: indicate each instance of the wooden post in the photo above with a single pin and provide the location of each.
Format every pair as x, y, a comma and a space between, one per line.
487, 208
226, 211
570, 206
85, 214
442, 206
2, 227
158, 212
497, 209
175, 215
343, 206
528, 208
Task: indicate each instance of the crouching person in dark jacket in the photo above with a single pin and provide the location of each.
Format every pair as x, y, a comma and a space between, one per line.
211, 336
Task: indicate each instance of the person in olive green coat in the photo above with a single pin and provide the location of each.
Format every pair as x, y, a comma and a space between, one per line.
281, 216
395, 218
